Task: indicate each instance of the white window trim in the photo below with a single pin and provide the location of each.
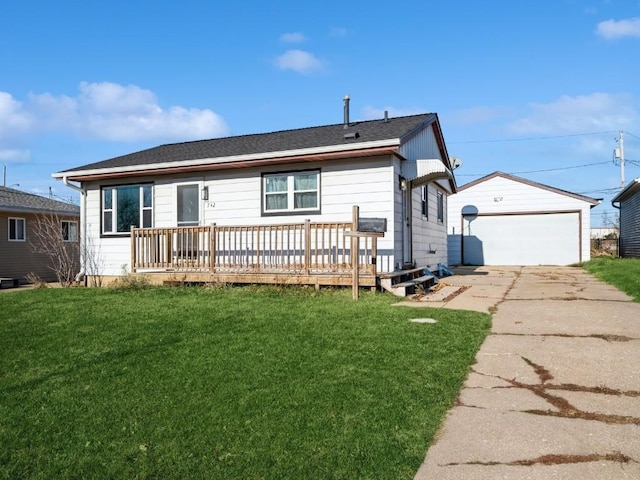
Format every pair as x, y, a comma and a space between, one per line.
424, 201
24, 229
290, 193
200, 185
114, 209
440, 206
70, 222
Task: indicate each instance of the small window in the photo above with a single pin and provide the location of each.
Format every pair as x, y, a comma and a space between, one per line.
69, 231
124, 206
291, 192
425, 201
440, 207
17, 230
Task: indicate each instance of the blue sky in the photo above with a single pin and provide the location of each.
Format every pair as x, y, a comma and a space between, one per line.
538, 89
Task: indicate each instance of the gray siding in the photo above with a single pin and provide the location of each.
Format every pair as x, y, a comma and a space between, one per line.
630, 227
17, 259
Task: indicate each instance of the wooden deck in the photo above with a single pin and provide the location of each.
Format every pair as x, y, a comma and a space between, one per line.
292, 253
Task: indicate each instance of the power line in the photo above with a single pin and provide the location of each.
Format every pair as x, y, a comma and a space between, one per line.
629, 133
538, 171
524, 139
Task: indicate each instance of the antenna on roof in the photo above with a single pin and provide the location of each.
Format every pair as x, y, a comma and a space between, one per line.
346, 111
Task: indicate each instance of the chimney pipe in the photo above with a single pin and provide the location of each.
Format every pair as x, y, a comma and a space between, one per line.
346, 111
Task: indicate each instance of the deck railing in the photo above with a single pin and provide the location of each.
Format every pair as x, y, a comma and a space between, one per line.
294, 248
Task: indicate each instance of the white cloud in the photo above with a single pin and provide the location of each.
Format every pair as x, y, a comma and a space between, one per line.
338, 32
293, 37
300, 61
13, 117
374, 113
114, 112
477, 115
14, 155
581, 114
611, 29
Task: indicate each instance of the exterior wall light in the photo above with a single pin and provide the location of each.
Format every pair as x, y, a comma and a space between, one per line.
204, 193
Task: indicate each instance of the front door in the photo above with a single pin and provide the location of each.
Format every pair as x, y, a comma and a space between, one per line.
188, 205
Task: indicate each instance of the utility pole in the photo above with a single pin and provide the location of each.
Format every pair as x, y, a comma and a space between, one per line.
621, 159
619, 154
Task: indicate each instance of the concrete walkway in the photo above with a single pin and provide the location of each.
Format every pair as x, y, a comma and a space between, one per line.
555, 391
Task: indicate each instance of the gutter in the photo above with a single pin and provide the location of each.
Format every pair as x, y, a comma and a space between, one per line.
232, 160
83, 213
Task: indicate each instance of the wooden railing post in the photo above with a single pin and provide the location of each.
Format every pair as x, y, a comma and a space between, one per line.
133, 249
212, 248
355, 252
307, 246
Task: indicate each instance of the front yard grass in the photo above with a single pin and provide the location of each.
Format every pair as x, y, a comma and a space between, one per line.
233, 383
622, 273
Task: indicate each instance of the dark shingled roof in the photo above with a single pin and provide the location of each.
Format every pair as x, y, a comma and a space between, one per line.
302, 138
18, 201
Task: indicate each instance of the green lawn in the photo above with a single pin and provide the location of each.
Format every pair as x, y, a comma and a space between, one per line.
623, 273
228, 383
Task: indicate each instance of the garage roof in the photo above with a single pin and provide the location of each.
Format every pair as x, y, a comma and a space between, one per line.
592, 201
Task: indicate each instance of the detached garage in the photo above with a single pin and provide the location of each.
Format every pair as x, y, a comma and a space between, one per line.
502, 219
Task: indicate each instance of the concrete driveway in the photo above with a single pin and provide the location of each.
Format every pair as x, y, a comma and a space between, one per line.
555, 391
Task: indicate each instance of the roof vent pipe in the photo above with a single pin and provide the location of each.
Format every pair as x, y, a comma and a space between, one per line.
386, 116
346, 111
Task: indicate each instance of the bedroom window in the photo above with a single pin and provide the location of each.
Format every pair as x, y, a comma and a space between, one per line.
291, 192
440, 207
16, 229
69, 231
124, 206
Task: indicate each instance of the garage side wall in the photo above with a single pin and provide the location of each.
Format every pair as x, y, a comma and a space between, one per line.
505, 197
630, 227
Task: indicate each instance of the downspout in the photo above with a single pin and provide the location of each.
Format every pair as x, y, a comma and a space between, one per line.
83, 214
619, 228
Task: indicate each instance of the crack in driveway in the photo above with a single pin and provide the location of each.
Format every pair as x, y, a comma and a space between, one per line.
564, 407
554, 459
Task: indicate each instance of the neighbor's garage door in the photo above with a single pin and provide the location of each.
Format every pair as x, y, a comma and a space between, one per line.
536, 239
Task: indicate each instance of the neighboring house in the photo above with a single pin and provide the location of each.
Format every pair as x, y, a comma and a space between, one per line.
629, 205
19, 217
218, 205
502, 219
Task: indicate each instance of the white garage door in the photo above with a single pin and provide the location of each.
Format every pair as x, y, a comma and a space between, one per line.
537, 239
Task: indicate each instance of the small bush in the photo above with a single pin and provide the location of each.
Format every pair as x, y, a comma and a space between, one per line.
131, 282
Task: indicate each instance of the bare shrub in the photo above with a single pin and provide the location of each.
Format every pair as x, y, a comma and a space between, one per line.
35, 280
48, 238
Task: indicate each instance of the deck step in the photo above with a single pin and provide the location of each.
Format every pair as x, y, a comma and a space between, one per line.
401, 273
410, 287
406, 282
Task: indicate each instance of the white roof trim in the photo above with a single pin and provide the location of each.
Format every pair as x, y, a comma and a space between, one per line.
233, 158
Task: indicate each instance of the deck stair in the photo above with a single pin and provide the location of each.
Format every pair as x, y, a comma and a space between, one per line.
404, 283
